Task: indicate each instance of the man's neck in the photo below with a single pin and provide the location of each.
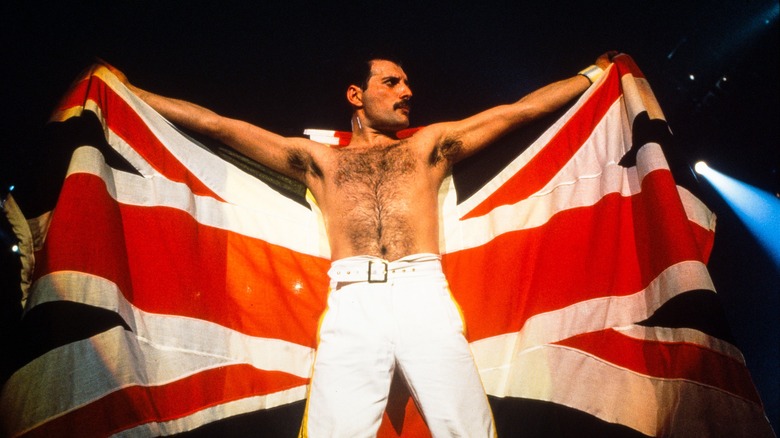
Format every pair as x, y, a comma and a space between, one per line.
367, 136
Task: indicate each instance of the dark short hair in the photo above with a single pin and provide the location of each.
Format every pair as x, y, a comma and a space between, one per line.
359, 72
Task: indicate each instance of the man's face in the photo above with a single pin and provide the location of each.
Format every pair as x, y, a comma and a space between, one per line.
386, 98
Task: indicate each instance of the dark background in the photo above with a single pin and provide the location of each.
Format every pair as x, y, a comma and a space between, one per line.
278, 65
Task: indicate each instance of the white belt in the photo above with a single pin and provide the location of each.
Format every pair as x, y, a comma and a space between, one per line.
376, 270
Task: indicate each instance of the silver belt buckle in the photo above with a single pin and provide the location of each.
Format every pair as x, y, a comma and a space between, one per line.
370, 271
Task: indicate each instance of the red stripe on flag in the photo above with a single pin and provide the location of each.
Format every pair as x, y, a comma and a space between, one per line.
208, 273
136, 405
85, 234
128, 125
555, 155
76, 95
613, 248
626, 65
668, 360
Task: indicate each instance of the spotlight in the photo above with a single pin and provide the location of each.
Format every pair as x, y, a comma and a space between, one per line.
756, 208
722, 83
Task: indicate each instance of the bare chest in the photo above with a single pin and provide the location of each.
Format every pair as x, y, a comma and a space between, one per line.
374, 169
376, 200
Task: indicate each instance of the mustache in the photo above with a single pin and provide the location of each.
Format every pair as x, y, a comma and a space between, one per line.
403, 104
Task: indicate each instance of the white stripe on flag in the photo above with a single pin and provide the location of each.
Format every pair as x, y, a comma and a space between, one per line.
653, 406
107, 362
214, 413
524, 158
296, 228
495, 356
176, 333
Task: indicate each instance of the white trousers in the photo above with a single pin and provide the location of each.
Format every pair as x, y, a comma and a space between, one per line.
409, 321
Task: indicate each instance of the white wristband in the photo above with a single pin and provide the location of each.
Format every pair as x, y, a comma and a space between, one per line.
592, 73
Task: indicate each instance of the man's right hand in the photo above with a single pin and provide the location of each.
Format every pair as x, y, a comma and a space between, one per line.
121, 76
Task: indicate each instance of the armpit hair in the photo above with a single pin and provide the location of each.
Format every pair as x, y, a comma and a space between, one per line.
303, 163
447, 150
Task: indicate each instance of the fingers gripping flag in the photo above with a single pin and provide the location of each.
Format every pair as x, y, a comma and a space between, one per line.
174, 293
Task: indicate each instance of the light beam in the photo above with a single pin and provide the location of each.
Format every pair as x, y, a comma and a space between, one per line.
757, 209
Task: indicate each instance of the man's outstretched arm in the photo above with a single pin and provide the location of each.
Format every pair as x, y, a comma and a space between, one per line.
266, 147
478, 131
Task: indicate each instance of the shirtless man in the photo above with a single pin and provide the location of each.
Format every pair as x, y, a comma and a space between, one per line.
389, 304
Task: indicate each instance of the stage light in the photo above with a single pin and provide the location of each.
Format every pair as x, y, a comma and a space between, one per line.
757, 209
772, 14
